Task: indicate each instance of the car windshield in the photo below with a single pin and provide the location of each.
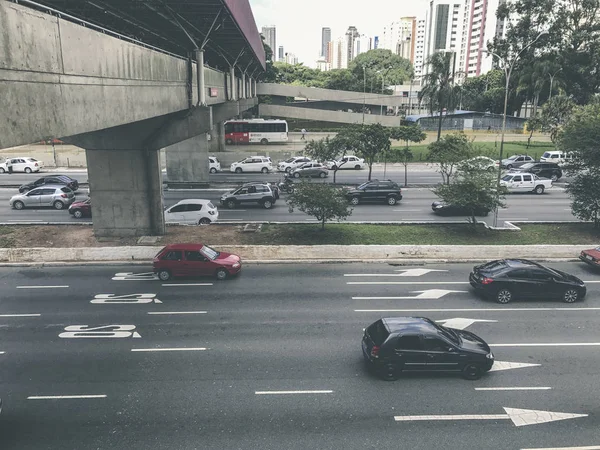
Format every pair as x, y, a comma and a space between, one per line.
546, 155
527, 166
362, 186
291, 160
210, 205
513, 157
32, 159
507, 178
450, 334
209, 252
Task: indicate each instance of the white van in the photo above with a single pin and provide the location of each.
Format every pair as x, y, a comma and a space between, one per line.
557, 156
214, 164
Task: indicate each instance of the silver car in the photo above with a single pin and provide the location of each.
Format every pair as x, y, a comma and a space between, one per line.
58, 197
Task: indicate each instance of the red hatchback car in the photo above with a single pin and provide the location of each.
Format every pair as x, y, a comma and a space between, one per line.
185, 260
591, 256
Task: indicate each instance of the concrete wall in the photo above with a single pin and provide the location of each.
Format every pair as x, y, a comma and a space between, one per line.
269, 110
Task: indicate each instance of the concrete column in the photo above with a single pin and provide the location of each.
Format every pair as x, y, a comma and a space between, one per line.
187, 161
254, 81
233, 83
126, 188
201, 82
243, 94
219, 136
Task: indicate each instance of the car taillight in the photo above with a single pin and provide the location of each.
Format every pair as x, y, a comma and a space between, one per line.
36, 164
487, 280
375, 352
63, 195
211, 212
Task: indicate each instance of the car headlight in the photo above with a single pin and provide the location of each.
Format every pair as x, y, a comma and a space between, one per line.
490, 355
236, 265
439, 206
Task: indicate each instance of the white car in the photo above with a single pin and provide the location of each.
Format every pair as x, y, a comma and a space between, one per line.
214, 165
347, 162
192, 212
480, 162
22, 164
253, 164
525, 182
293, 163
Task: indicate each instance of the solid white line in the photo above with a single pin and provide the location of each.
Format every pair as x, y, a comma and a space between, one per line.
20, 315
475, 309
180, 349
158, 313
24, 220
588, 447
383, 283
2, 353
549, 344
536, 388
190, 284
453, 417
231, 210
408, 210
502, 218
63, 397
42, 287
291, 392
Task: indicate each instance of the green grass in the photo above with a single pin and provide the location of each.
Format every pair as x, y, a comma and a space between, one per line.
459, 234
6, 239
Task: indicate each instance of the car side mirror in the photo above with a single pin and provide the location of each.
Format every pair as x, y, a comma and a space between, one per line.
451, 349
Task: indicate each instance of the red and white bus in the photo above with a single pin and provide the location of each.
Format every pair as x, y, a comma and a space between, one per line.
255, 131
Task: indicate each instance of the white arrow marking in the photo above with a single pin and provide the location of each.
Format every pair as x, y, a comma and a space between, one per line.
405, 273
587, 447
459, 323
430, 294
129, 276
505, 365
125, 299
520, 417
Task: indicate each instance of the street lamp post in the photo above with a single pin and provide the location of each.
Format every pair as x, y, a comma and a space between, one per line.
508, 68
364, 93
552, 75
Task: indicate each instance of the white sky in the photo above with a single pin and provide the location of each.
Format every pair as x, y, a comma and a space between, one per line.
299, 22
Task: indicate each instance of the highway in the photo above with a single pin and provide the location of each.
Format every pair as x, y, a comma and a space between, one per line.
272, 360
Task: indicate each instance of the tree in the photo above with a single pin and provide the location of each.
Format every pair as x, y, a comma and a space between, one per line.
484, 93
533, 124
450, 151
584, 191
368, 141
407, 133
555, 113
328, 150
396, 69
473, 188
322, 201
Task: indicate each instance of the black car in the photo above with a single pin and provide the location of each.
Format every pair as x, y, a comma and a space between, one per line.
446, 209
507, 279
542, 170
60, 180
385, 191
403, 344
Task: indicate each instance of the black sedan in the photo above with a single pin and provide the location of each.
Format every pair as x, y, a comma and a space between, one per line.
507, 279
60, 180
446, 209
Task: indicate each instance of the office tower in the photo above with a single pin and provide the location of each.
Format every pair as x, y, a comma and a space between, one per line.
270, 34
280, 54
325, 39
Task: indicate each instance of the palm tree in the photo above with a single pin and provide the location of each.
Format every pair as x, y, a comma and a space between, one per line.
438, 85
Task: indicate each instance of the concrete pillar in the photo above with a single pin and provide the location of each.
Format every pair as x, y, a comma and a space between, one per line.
187, 161
126, 188
243, 86
219, 136
200, 76
254, 82
233, 83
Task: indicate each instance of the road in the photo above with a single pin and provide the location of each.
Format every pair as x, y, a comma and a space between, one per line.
256, 344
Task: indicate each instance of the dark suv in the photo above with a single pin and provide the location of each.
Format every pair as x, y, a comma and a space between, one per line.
542, 169
375, 191
402, 344
57, 180
249, 193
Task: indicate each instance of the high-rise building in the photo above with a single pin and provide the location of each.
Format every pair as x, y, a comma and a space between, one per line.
330, 47
325, 39
270, 34
362, 44
400, 36
420, 46
280, 54
291, 58
349, 46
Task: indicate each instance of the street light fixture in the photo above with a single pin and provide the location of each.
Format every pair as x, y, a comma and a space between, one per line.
364, 93
508, 68
382, 72
552, 75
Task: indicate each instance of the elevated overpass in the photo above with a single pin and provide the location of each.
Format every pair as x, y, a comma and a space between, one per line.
123, 79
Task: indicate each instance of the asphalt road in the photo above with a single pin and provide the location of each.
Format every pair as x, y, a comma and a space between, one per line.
276, 329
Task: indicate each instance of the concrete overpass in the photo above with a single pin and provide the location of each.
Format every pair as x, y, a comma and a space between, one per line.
123, 79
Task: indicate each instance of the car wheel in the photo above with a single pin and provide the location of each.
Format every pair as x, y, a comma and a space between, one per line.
27, 170
238, 170
504, 296
204, 221
571, 296
357, 167
229, 141
267, 204
390, 372
264, 141
355, 200
164, 275
2, 170
288, 169
78, 214
213, 170
18, 205
554, 178
264, 170
539, 190
472, 371
509, 166
221, 274
297, 175
230, 204
392, 201
322, 175
58, 204
334, 167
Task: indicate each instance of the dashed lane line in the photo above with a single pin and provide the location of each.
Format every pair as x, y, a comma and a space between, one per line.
20, 315
549, 344
475, 309
176, 349
587, 447
515, 388
187, 284
64, 397
43, 287
292, 392
165, 313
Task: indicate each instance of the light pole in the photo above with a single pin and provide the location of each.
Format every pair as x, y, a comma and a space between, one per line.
364, 92
382, 72
552, 75
508, 68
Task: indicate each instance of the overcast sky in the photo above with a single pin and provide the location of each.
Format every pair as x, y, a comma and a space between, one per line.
299, 22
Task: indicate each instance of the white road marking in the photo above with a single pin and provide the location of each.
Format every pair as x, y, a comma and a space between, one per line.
460, 323
403, 282
180, 349
475, 309
506, 365
128, 299
106, 331
42, 287
292, 392
516, 219
521, 388
2, 353
158, 313
408, 210
587, 447
187, 284
550, 344
63, 397
231, 210
430, 294
24, 220
20, 315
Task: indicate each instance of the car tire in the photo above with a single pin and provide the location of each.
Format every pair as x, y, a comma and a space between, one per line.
164, 275
2, 170
554, 178
18, 205
334, 167
472, 371
322, 175
390, 372
539, 190
58, 205
27, 170
570, 296
229, 141
213, 170
264, 170
238, 170
264, 141
355, 200
204, 221
267, 204
392, 201
357, 167
230, 204
288, 169
78, 214
509, 166
297, 175
504, 296
221, 274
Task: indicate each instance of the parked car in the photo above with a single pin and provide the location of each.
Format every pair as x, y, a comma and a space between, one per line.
57, 197
347, 162
480, 162
542, 170
557, 156
591, 257
252, 164
292, 163
525, 182
310, 170
248, 194
214, 165
403, 344
183, 260
22, 164
192, 212
55, 180
384, 191
516, 161
81, 209
507, 279
446, 209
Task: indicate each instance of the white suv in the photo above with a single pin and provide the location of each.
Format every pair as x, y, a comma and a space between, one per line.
22, 164
192, 212
347, 162
293, 163
214, 165
252, 164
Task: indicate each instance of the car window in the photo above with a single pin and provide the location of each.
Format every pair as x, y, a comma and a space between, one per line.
528, 158
435, 345
35, 192
507, 178
521, 274
173, 255
209, 252
526, 177
178, 208
53, 180
241, 191
291, 160
191, 207
378, 332
520, 158
546, 155
517, 178
408, 342
66, 190
194, 256
539, 274
252, 189
48, 191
